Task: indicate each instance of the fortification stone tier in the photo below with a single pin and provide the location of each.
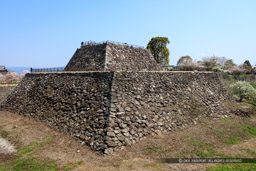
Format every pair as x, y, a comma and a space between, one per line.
112, 57
110, 110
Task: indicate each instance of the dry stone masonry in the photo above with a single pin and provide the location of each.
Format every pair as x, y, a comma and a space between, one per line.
112, 57
109, 110
114, 107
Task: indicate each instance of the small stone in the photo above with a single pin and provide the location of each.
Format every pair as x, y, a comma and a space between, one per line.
126, 134
128, 142
78, 151
127, 118
110, 143
127, 109
160, 123
133, 132
140, 135
112, 109
109, 129
100, 111
107, 138
158, 132
120, 113
121, 138
108, 151
111, 134
116, 131
124, 130
122, 125
144, 117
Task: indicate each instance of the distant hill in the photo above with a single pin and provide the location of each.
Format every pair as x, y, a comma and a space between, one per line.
19, 70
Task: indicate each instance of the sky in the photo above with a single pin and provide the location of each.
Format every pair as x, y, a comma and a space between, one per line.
46, 33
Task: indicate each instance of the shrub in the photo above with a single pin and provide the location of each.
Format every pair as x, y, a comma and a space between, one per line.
244, 90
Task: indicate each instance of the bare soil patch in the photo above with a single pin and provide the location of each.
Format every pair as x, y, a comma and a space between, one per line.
207, 138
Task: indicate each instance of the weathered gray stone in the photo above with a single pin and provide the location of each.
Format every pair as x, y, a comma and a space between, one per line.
79, 103
112, 57
111, 134
111, 143
124, 130
122, 125
108, 151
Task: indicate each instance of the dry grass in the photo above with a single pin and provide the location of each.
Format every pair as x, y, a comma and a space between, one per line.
206, 139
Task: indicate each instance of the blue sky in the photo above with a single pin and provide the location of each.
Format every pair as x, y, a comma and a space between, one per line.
46, 33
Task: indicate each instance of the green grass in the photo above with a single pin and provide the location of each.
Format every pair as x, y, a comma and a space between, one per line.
232, 140
253, 84
24, 160
206, 151
29, 164
234, 167
72, 166
203, 150
250, 129
32, 146
237, 131
249, 151
23, 163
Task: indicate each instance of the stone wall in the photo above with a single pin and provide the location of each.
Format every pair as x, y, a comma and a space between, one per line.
4, 91
88, 58
128, 58
110, 110
72, 102
112, 57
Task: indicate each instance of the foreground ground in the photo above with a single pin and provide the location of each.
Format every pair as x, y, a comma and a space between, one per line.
42, 148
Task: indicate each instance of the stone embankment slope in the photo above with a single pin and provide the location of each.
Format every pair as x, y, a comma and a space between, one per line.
110, 110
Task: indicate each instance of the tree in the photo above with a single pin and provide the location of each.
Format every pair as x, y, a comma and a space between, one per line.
247, 65
159, 50
11, 77
214, 61
244, 90
229, 64
184, 60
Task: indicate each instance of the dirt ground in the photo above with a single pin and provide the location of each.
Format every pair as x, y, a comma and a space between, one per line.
144, 155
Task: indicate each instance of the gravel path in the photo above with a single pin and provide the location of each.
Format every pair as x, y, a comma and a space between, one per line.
6, 146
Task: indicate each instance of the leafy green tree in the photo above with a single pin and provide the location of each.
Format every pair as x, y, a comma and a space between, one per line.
229, 64
244, 90
247, 65
159, 50
184, 60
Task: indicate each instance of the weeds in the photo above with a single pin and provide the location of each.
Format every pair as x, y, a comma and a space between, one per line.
72, 166
4, 134
153, 149
21, 162
32, 146
29, 164
233, 166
